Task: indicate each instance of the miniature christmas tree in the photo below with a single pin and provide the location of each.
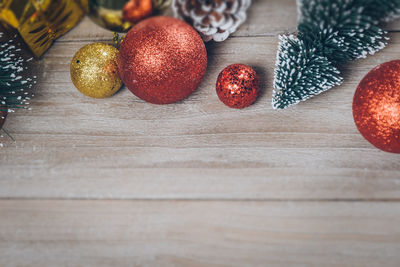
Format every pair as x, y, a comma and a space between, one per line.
330, 33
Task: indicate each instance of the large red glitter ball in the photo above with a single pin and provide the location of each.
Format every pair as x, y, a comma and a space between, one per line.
376, 107
238, 86
162, 60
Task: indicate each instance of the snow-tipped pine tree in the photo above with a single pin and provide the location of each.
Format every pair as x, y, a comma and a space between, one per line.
296, 63
15, 83
330, 33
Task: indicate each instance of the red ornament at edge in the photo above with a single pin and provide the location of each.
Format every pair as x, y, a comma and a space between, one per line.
238, 86
162, 60
376, 106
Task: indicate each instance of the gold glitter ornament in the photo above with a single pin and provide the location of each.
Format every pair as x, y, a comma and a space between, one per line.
94, 70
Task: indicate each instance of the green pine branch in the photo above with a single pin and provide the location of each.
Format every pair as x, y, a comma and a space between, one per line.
302, 70
380, 10
15, 84
333, 32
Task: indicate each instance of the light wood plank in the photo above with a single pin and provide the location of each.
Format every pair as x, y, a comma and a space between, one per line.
77, 182
182, 233
147, 151
70, 146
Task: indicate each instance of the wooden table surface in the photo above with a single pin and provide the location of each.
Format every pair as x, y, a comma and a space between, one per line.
121, 182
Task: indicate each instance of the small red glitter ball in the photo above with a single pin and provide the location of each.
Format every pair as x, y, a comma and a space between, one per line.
238, 86
162, 60
376, 107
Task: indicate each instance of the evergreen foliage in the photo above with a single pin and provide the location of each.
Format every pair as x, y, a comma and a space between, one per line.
15, 85
330, 33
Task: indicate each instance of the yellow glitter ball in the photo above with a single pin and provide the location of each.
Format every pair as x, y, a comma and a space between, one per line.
94, 70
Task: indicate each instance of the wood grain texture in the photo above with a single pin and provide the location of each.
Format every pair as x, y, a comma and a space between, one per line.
186, 233
311, 151
120, 182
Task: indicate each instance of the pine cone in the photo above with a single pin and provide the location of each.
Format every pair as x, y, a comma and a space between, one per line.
214, 19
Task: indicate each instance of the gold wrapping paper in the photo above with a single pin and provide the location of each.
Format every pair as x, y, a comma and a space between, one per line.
40, 22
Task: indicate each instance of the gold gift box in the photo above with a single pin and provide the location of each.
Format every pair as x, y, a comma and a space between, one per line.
40, 22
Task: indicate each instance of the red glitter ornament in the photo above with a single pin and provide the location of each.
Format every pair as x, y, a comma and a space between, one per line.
162, 60
238, 86
376, 106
